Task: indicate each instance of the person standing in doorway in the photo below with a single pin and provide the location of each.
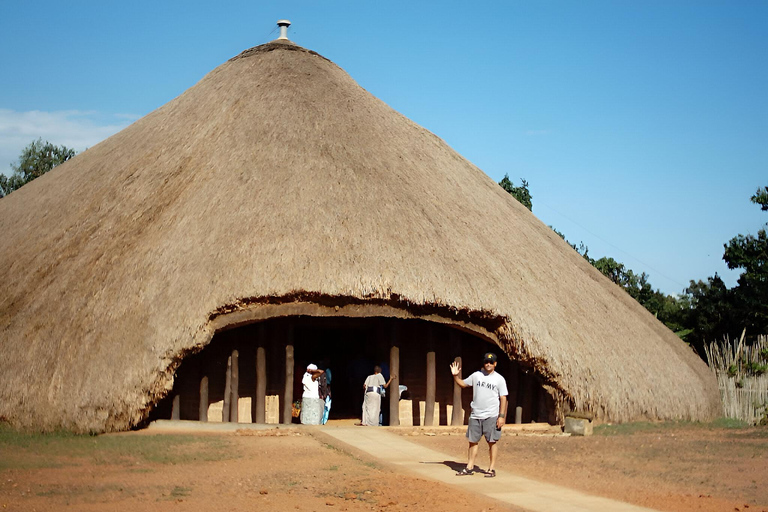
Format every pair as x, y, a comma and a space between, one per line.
373, 387
489, 410
325, 393
311, 404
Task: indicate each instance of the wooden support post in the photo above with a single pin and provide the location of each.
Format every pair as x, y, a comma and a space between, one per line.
203, 412
261, 385
394, 386
457, 417
525, 396
542, 415
176, 409
429, 406
518, 415
227, 391
235, 389
454, 343
288, 393
513, 381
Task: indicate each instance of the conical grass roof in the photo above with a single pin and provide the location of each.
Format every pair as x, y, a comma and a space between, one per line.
277, 180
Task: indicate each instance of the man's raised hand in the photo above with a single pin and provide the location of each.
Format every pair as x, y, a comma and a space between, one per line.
455, 368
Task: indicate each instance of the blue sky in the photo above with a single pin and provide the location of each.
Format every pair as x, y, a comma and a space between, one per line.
641, 127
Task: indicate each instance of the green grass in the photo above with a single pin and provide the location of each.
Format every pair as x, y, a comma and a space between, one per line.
69, 491
728, 423
625, 429
180, 492
667, 426
35, 450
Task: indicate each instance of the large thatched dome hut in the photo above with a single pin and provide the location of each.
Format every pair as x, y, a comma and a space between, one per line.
279, 209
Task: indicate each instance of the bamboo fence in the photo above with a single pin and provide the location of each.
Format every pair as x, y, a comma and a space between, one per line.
742, 377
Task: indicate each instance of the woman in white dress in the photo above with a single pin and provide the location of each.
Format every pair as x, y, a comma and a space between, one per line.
374, 387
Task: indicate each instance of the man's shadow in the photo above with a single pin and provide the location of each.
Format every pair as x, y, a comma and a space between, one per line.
455, 466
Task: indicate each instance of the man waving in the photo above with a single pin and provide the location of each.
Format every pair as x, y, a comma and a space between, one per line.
489, 410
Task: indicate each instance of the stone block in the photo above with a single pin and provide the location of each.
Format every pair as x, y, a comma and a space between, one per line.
578, 426
449, 414
272, 409
243, 410
422, 413
406, 413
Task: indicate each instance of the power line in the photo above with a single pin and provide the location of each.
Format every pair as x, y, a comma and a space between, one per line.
613, 246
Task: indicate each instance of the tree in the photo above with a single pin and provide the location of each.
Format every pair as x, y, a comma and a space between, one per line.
581, 248
35, 160
710, 315
750, 253
521, 193
671, 311
761, 198
637, 286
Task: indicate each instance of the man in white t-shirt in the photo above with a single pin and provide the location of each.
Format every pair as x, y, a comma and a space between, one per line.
489, 410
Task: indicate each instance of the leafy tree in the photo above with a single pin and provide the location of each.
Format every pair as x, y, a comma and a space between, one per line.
671, 311
35, 160
613, 270
761, 198
521, 193
750, 253
710, 315
637, 286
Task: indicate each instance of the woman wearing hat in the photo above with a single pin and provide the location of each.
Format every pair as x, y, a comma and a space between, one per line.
311, 404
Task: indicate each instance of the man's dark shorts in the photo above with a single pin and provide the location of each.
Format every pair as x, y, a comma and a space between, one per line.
479, 428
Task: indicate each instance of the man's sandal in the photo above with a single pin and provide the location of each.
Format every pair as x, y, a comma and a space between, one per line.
465, 472
490, 473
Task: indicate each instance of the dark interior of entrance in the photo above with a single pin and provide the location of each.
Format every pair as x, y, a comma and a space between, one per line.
350, 347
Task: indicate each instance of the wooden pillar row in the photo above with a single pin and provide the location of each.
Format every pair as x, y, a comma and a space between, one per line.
203, 411
227, 392
394, 369
261, 386
235, 388
176, 408
260, 399
526, 396
457, 418
429, 406
288, 392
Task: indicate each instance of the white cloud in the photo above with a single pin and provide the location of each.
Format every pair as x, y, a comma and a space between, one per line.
72, 128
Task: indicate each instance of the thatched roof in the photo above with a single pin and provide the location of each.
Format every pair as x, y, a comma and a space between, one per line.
278, 180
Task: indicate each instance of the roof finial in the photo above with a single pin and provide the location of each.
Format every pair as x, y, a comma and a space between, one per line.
283, 24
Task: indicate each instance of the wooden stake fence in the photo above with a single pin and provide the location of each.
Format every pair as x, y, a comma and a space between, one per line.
742, 377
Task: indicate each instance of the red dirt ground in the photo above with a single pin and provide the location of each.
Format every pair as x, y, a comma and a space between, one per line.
266, 471
677, 468
673, 468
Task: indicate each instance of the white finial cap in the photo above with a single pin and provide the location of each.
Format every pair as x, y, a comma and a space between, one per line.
283, 24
